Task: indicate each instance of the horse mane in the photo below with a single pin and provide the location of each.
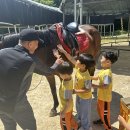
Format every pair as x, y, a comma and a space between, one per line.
49, 36
10, 40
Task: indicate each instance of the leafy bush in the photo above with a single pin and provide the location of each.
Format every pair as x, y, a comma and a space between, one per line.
119, 32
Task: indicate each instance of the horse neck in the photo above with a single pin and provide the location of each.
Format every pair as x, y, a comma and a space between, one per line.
49, 36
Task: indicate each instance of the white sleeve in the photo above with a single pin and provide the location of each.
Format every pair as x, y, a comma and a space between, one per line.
107, 80
68, 94
88, 84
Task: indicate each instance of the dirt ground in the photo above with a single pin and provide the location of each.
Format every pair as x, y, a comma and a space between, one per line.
41, 99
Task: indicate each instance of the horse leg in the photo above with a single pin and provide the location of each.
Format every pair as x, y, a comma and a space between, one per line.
51, 81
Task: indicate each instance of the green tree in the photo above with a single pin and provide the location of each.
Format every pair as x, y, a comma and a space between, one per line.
57, 3
54, 3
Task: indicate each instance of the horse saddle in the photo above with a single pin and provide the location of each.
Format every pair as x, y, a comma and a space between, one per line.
68, 33
72, 27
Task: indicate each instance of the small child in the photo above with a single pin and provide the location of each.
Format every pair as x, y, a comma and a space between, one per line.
82, 87
67, 120
105, 89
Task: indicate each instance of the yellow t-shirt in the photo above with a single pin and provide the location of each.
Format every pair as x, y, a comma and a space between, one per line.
80, 82
105, 93
65, 92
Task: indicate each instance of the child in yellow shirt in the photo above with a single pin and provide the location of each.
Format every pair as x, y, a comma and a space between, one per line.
105, 89
82, 87
67, 120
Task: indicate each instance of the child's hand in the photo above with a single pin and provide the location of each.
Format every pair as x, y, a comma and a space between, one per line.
123, 122
121, 119
94, 77
60, 48
59, 61
56, 53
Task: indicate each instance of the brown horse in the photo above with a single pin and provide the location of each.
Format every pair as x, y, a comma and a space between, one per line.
44, 56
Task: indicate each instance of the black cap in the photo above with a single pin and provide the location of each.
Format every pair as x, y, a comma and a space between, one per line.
29, 35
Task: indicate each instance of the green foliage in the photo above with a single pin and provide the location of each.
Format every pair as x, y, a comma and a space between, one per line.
46, 2
54, 3
57, 3
119, 32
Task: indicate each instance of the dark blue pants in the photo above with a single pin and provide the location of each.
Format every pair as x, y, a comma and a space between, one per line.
23, 115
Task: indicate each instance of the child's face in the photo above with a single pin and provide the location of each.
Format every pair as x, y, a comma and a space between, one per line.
79, 65
65, 76
105, 62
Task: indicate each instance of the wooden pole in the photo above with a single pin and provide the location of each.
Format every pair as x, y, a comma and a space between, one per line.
15, 29
129, 29
104, 30
101, 30
87, 18
81, 11
113, 30
75, 10
110, 29
122, 26
129, 26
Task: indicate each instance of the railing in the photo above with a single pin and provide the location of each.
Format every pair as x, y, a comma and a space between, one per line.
8, 28
116, 39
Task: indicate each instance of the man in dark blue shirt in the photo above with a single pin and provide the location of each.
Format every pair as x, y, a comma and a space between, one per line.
16, 69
